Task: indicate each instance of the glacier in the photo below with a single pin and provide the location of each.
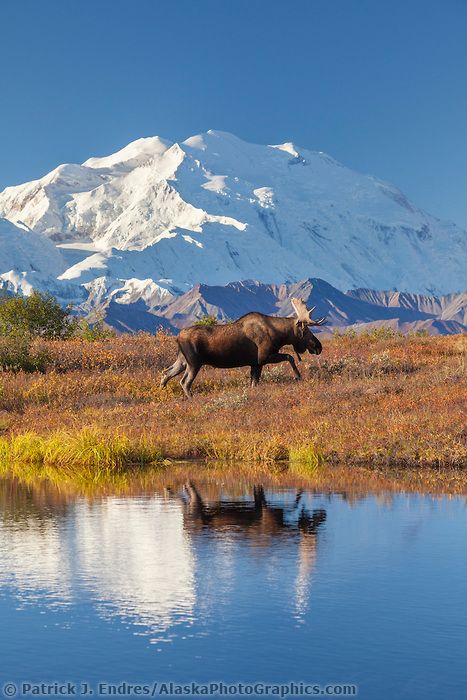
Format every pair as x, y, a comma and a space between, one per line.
149, 222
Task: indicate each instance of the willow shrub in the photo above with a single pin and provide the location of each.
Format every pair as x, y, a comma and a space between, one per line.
18, 355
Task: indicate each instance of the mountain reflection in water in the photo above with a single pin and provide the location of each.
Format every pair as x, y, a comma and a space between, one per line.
206, 575
137, 555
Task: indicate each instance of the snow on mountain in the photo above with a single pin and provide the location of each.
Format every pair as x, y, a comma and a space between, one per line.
28, 260
361, 310
131, 156
341, 309
157, 218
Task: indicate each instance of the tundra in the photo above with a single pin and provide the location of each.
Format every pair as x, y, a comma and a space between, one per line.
253, 340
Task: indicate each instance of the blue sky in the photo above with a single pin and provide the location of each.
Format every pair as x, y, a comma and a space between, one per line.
381, 86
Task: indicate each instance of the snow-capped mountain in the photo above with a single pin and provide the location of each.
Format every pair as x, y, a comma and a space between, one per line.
28, 260
156, 218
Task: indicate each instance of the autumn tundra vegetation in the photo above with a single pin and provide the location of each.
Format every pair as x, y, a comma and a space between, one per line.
76, 398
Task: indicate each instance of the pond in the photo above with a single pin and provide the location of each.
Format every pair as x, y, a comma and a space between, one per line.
235, 581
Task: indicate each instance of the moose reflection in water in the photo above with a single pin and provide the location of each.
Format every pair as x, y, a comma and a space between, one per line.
256, 518
262, 523
139, 555
238, 575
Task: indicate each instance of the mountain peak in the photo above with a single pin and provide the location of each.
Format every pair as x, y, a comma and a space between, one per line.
132, 154
215, 209
203, 140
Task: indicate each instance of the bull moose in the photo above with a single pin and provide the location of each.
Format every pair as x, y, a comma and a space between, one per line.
253, 340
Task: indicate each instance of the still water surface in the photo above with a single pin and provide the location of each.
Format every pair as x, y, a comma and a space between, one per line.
255, 583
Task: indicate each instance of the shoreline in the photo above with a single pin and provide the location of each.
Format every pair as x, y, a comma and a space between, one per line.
92, 449
351, 481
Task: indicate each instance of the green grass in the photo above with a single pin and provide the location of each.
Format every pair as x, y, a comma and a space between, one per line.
89, 453
305, 458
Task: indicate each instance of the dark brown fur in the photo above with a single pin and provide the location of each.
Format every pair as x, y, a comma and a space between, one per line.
254, 340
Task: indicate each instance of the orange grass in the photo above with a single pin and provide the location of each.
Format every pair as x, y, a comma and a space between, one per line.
395, 401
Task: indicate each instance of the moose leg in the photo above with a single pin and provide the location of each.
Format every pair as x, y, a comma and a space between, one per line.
260, 498
298, 498
177, 368
188, 379
196, 504
255, 374
277, 357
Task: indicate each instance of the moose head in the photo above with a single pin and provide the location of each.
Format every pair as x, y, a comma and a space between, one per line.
304, 338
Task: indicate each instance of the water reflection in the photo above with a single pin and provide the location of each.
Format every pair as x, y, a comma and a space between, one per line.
137, 556
220, 574
33, 559
259, 522
253, 516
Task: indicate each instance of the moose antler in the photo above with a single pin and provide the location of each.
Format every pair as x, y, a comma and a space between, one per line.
304, 315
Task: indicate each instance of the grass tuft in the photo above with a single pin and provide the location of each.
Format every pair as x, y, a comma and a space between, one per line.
89, 452
305, 458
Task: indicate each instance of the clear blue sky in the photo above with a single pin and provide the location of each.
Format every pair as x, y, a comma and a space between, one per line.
380, 85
